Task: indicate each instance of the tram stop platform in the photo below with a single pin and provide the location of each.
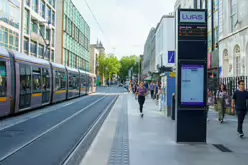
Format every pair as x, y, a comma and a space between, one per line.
127, 139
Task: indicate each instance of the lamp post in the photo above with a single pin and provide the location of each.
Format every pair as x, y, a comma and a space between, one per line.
42, 35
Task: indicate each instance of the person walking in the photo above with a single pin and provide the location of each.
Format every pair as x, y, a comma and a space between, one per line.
141, 93
239, 104
221, 97
210, 102
152, 86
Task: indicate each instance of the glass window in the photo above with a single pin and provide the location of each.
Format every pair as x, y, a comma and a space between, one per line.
33, 48
41, 51
35, 5
233, 14
3, 79
60, 80
26, 45
42, 9
26, 21
36, 74
25, 79
53, 18
45, 80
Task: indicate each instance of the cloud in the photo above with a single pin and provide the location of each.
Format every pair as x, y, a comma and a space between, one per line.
125, 24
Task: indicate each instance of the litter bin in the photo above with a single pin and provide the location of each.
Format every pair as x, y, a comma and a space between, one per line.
173, 107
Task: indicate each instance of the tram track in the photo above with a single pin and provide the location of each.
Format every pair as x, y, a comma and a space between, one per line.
76, 154
35, 143
25, 133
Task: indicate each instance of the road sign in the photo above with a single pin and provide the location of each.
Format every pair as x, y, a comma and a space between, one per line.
173, 74
171, 57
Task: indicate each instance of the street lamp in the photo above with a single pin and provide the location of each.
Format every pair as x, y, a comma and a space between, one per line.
42, 35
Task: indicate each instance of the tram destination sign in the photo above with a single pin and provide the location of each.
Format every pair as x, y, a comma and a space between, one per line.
192, 17
189, 32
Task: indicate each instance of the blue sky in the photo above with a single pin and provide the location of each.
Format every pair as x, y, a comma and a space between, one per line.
125, 23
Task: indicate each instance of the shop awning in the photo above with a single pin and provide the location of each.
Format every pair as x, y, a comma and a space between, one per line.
149, 78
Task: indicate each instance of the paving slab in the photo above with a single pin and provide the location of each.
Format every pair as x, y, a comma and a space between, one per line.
152, 140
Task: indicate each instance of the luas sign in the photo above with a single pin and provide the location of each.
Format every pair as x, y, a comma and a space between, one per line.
192, 16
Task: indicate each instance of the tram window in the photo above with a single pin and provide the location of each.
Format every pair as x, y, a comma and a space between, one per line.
77, 81
45, 79
71, 81
60, 80
36, 73
3, 79
25, 78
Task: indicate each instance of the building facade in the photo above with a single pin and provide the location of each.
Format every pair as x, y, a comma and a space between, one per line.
37, 30
99, 49
212, 7
10, 20
165, 42
94, 53
148, 52
73, 36
233, 38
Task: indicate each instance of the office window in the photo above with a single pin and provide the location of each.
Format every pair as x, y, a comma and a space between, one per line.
35, 5
3, 79
26, 21
33, 48
42, 8
53, 18
36, 74
65, 23
25, 46
48, 16
233, 15
27, 2
34, 27
41, 51
48, 34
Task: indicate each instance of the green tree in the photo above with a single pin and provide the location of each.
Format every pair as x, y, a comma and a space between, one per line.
112, 66
108, 66
127, 62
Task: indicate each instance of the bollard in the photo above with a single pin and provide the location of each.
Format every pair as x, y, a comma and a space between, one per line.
173, 106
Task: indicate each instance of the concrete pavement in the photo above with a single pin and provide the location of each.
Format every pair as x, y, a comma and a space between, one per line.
151, 140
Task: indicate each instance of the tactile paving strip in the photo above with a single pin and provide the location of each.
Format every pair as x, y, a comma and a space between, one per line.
120, 149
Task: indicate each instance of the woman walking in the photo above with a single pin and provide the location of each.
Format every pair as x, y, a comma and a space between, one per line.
141, 93
221, 100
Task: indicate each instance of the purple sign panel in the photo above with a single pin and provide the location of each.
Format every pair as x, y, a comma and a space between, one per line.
192, 85
192, 16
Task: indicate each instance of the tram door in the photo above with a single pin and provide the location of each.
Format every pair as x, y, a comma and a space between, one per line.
25, 86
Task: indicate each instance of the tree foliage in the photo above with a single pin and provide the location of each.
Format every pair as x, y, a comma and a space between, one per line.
127, 62
108, 65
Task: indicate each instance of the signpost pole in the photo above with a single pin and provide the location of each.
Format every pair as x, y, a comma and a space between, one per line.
191, 92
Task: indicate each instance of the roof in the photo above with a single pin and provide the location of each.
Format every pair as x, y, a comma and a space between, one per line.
164, 16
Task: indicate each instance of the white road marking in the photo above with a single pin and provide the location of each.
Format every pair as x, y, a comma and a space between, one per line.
48, 130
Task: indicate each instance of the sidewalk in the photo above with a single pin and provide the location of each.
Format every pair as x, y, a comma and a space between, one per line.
132, 140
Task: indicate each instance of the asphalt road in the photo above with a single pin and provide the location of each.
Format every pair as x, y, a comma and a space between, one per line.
48, 138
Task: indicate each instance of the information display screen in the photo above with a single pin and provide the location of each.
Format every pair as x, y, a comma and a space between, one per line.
192, 85
192, 32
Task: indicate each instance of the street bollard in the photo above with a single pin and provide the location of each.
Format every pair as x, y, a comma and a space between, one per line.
173, 106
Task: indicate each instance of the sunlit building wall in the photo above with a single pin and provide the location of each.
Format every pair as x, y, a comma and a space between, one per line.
38, 28
10, 24
73, 36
